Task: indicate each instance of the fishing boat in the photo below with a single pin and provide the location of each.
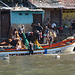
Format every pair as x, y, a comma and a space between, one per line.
60, 47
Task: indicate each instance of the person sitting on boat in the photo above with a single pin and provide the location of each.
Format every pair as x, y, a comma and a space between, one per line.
18, 47
15, 34
12, 42
3, 43
30, 48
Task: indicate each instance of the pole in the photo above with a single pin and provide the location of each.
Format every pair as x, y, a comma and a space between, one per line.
0, 24
61, 14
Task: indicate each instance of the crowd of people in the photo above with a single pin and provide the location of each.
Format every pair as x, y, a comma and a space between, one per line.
27, 40
16, 38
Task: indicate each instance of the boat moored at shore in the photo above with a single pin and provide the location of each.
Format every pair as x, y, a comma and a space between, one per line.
61, 47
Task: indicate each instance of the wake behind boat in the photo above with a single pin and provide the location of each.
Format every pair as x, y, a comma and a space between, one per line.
64, 46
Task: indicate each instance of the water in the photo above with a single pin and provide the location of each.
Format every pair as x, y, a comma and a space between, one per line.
38, 65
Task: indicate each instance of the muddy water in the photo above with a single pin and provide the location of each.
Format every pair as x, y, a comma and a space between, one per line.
38, 65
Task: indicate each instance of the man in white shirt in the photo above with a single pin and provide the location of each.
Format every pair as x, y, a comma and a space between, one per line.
22, 29
53, 25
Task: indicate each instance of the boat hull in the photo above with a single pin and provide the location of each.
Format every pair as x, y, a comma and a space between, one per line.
61, 49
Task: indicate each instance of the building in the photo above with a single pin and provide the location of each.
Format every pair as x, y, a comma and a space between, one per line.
4, 20
68, 12
25, 16
52, 10
17, 16
62, 12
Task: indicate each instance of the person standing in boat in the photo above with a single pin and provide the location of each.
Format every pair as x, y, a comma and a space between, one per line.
40, 29
46, 30
45, 34
19, 32
22, 29
49, 39
30, 48
24, 39
48, 22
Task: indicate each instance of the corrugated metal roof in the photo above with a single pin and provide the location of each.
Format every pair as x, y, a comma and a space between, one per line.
25, 9
4, 6
69, 4
48, 5
47, 1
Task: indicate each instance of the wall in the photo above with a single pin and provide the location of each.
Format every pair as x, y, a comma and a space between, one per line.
68, 17
18, 20
53, 14
46, 14
56, 16
4, 23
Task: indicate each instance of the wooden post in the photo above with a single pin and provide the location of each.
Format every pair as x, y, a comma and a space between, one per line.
61, 14
0, 24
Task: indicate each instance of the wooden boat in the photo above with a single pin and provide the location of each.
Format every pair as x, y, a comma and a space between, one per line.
64, 46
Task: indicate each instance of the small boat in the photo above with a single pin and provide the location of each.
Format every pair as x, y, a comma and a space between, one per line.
61, 47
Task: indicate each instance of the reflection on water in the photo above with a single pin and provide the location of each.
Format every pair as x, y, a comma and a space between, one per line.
38, 65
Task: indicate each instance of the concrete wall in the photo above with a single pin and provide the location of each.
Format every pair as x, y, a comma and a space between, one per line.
18, 20
46, 14
68, 17
53, 14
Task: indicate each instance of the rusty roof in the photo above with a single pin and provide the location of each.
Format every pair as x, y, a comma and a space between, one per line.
68, 4
47, 4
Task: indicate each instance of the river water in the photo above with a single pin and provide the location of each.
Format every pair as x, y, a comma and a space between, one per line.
38, 65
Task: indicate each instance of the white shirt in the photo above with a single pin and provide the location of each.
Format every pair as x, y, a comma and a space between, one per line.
21, 30
18, 47
53, 25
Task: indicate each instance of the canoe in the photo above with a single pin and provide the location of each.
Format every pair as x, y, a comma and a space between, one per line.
60, 47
